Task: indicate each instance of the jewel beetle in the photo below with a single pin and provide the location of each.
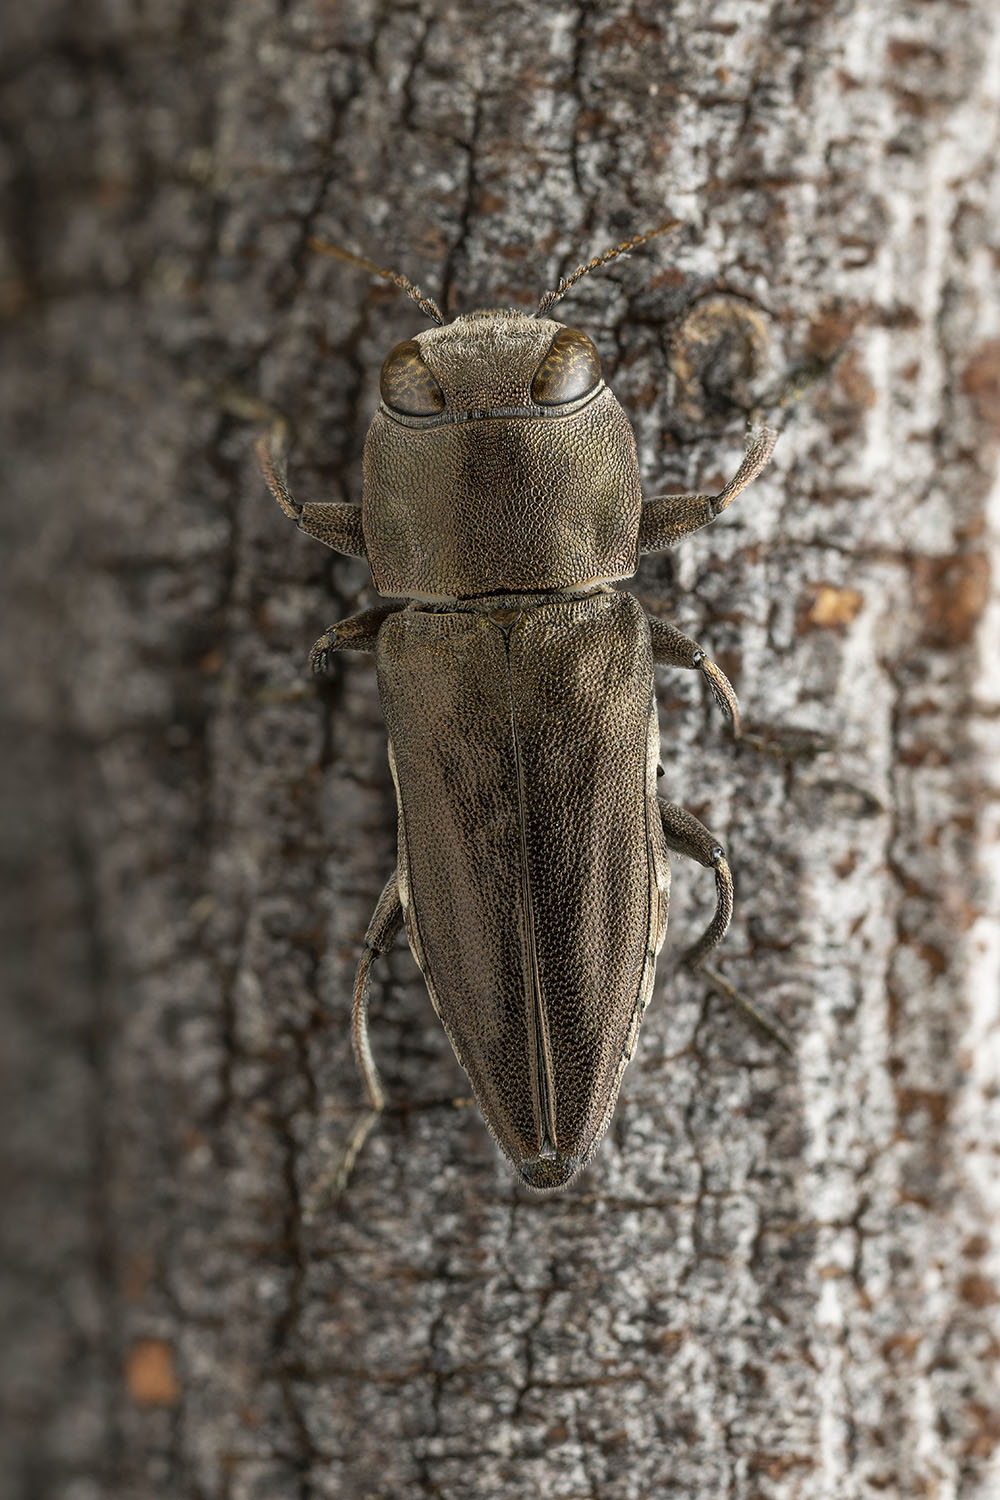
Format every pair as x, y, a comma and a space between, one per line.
501, 509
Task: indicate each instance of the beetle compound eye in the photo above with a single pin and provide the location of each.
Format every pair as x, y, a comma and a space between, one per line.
407, 385
571, 368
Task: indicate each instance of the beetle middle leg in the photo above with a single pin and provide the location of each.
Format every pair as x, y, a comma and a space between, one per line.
672, 648
357, 633
684, 834
386, 922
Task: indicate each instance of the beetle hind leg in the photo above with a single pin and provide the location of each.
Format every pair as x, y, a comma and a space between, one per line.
382, 929
684, 834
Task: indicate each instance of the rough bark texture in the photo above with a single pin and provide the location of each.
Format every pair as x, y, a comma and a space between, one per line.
779, 1278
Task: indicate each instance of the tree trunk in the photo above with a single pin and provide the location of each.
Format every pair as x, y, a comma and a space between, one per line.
777, 1279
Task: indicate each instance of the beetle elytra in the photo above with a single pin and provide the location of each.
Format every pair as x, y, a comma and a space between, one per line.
501, 507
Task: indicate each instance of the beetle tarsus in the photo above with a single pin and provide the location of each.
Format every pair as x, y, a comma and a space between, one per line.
766, 1023
722, 691
270, 450
787, 742
382, 929
320, 653
717, 928
760, 443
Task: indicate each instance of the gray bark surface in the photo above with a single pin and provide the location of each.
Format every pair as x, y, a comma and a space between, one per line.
779, 1278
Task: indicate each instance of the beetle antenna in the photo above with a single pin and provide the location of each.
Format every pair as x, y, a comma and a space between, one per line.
550, 298
427, 305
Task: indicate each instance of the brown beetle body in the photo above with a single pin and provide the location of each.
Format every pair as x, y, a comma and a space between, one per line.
501, 498
533, 873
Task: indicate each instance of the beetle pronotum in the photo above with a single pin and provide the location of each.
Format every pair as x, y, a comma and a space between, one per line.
501, 506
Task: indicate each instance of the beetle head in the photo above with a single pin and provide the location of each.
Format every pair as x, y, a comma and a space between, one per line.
498, 460
495, 362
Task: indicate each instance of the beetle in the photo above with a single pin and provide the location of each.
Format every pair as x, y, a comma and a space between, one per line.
501, 508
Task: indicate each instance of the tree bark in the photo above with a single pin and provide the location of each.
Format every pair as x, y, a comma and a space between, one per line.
779, 1278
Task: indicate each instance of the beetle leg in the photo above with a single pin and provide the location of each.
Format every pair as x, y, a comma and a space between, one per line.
357, 633
336, 523
686, 835
382, 929
672, 648
667, 518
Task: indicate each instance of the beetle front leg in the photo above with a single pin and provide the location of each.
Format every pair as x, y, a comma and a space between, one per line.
672, 648
684, 834
336, 523
667, 518
357, 633
386, 922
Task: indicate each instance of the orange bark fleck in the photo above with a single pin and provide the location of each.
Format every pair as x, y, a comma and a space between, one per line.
832, 606
149, 1374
